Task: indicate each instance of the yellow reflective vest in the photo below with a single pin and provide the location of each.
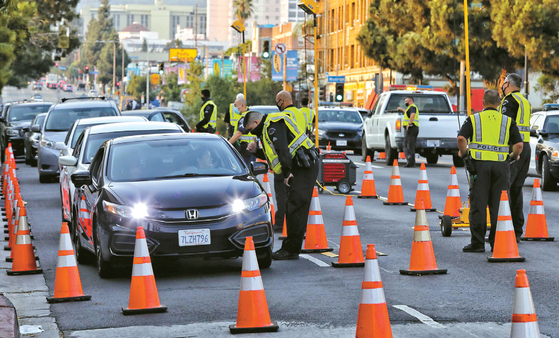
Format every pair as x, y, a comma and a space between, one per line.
490, 140
234, 116
415, 119
298, 116
308, 115
248, 137
523, 114
213, 118
300, 139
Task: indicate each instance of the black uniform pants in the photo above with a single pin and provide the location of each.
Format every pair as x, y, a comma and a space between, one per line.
518, 173
299, 195
410, 136
280, 190
485, 190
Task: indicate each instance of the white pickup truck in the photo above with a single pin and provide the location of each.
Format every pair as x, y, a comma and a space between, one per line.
438, 126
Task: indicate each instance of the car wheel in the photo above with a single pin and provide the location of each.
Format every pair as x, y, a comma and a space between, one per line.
365, 151
45, 178
264, 257
549, 183
432, 158
104, 268
33, 162
458, 161
391, 154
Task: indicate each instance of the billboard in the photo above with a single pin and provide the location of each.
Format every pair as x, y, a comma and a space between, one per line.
182, 54
291, 69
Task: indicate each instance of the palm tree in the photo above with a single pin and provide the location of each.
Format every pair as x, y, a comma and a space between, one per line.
243, 9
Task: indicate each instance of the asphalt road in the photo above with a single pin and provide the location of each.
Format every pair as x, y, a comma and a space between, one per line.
474, 299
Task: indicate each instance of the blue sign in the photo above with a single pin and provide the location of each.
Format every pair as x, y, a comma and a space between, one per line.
291, 70
62, 68
93, 72
336, 79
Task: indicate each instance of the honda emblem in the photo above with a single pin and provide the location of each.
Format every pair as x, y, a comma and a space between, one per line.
192, 214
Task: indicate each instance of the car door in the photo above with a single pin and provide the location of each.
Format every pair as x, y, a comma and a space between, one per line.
536, 123
377, 131
91, 195
69, 170
177, 119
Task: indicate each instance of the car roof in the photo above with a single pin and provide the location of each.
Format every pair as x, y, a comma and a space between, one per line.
148, 125
412, 92
139, 112
109, 119
158, 110
84, 103
156, 137
31, 104
338, 108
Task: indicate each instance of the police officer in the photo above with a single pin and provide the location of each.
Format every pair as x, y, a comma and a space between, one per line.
241, 134
232, 116
284, 102
519, 109
489, 134
208, 114
411, 130
291, 155
309, 114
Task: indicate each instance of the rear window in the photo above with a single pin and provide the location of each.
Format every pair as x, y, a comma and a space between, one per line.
26, 113
425, 103
338, 115
62, 119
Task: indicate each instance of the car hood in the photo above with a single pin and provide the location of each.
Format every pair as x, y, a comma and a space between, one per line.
19, 124
340, 126
191, 192
55, 136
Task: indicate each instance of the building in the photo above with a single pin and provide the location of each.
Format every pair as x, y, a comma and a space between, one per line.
158, 17
220, 20
290, 12
291, 35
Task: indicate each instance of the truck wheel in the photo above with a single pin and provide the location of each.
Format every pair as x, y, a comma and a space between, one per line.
549, 183
391, 154
366, 151
446, 226
432, 158
458, 161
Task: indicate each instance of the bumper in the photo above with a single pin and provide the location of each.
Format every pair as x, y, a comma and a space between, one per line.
47, 161
350, 144
442, 146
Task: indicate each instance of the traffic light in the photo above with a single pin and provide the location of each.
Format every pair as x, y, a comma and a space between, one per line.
86, 70
321, 94
161, 68
266, 49
79, 71
56, 64
339, 97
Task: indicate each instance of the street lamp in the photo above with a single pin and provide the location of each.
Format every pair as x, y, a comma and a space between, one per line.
311, 7
240, 27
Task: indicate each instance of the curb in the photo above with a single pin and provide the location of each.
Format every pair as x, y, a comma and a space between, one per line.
9, 326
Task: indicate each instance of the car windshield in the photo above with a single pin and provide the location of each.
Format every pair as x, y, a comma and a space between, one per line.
39, 120
164, 159
62, 119
96, 140
26, 113
338, 115
552, 124
424, 102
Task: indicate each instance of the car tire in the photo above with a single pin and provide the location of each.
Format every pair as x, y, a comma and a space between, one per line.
549, 183
458, 161
83, 256
432, 158
104, 268
33, 162
391, 154
264, 258
365, 151
27, 157
45, 178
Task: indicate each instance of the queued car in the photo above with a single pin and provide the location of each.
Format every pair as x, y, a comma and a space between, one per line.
160, 115
192, 193
342, 128
68, 88
37, 86
67, 149
32, 138
59, 120
18, 116
37, 97
544, 144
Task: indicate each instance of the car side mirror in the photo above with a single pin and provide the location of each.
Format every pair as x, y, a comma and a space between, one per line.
258, 168
36, 129
59, 146
80, 178
370, 113
533, 132
67, 161
542, 132
25, 129
2, 119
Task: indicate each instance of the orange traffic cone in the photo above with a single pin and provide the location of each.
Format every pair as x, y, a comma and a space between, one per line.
284, 230
143, 291
269, 192
395, 192
372, 319
423, 193
505, 248
382, 156
368, 189
24, 256
402, 155
536, 226
452, 204
328, 147
422, 261
315, 240
13, 231
524, 320
252, 313
351, 252
67, 282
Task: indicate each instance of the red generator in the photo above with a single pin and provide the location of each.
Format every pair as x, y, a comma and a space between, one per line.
337, 169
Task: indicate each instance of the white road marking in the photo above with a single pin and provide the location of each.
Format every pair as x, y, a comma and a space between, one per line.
334, 243
383, 269
423, 318
314, 260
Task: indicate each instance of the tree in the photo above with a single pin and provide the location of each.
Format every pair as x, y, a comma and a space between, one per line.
238, 50
548, 86
144, 46
171, 89
243, 9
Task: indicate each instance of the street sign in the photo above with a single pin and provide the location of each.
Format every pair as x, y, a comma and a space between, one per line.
62, 68
154, 79
184, 92
93, 72
280, 48
336, 79
182, 54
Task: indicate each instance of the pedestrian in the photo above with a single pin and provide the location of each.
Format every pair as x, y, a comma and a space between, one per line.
241, 134
487, 158
293, 156
309, 114
518, 108
284, 102
232, 116
411, 130
208, 114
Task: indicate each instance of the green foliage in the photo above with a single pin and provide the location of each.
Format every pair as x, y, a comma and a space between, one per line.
243, 9
171, 89
137, 87
548, 86
239, 49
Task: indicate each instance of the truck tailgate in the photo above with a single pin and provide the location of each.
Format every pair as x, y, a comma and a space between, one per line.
439, 126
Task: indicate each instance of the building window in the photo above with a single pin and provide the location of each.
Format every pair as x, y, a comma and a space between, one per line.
175, 20
277, 9
277, 17
267, 17
92, 16
116, 21
129, 19
256, 17
144, 20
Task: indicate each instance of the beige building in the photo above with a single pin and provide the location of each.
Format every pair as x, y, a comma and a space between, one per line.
220, 20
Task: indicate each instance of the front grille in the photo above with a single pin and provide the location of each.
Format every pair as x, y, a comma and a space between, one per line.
336, 134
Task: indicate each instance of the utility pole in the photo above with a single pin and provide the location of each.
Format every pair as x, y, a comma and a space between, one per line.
526, 82
196, 27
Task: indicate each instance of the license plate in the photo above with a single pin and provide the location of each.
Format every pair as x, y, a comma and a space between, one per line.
433, 143
194, 237
341, 143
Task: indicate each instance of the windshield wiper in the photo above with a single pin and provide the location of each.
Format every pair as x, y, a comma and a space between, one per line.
188, 175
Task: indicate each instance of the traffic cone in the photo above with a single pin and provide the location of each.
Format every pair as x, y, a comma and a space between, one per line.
536, 226
67, 282
269, 192
368, 189
422, 261
143, 291
328, 147
13, 231
382, 156
315, 240
524, 319
505, 248
252, 313
284, 230
402, 155
452, 204
24, 256
351, 252
423, 193
395, 192
372, 318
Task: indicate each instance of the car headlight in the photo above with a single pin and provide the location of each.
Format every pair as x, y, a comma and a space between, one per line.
249, 204
47, 143
555, 155
139, 210
12, 132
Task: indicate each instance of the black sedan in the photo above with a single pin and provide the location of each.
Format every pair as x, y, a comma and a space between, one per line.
192, 193
161, 115
31, 139
342, 128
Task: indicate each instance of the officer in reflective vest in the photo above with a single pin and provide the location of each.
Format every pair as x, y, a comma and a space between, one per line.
284, 102
291, 154
411, 130
232, 116
208, 114
241, 134
490, 135
309, 114
519, 109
